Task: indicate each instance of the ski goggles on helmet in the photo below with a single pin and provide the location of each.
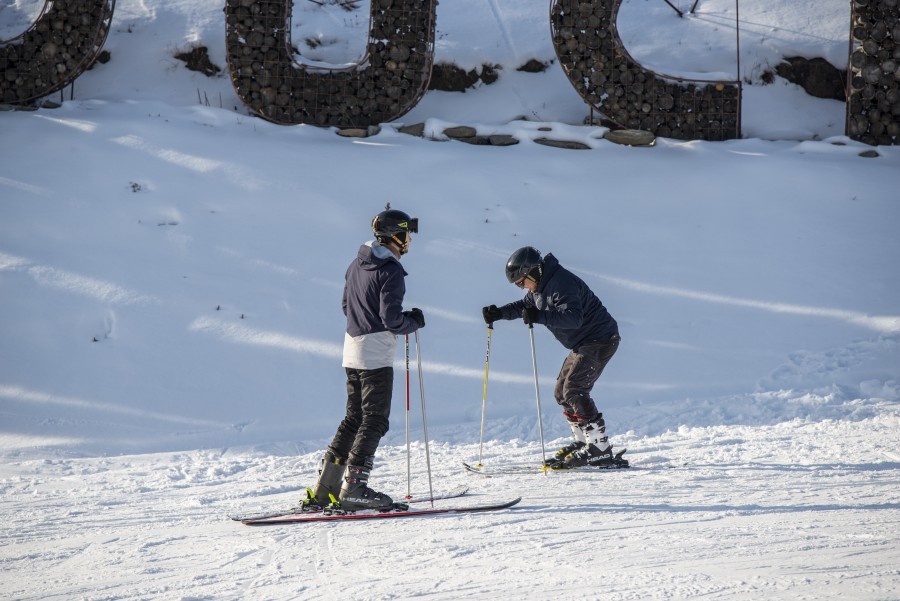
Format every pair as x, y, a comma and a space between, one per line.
411, 225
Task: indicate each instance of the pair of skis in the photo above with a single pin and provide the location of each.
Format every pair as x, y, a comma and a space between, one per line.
302, 514
299, 515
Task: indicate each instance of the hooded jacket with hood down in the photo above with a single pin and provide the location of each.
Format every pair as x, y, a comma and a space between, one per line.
373, 303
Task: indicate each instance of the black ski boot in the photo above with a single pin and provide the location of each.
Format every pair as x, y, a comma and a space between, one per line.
589, 455
356, 494
597, 452
561, 454
573, 446
328, 486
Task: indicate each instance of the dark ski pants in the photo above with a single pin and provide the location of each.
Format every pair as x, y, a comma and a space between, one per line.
368, 414
579, 373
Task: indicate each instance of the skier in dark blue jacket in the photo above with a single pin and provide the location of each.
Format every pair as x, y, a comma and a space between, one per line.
373, 303
563, 303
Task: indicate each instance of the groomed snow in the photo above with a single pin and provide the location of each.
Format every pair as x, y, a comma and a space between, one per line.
170, 280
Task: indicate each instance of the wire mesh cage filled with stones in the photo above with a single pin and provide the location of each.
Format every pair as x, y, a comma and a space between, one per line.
386, 83
63, 41
873, 102
623, 91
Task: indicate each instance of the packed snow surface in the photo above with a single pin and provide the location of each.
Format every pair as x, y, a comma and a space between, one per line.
170, 280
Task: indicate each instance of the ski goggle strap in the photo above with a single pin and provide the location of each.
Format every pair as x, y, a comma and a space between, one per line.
533, 274
402, 239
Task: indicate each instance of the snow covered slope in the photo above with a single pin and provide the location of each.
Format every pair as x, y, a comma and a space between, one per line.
170, 280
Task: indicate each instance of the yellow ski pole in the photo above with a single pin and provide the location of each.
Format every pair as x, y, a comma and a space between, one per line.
487, 363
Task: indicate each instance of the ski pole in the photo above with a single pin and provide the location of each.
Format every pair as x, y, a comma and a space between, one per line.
424, 419
487, 363
537, 393
408, 473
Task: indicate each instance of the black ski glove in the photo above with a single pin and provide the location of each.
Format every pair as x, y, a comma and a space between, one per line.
416, 315
530, 315
491, 314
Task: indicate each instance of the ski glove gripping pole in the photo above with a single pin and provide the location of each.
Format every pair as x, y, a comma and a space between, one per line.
491, 314
530, 315
417, 316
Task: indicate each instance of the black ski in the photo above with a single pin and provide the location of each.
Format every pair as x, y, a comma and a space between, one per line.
336, 515
313, 509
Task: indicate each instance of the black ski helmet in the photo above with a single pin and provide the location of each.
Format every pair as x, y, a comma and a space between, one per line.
394, 225
526, 261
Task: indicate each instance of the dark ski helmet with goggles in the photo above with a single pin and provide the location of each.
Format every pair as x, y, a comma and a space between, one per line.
526, 262
395, 226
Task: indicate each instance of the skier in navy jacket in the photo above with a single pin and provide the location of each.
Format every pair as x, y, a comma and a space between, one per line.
373, 303
562, 302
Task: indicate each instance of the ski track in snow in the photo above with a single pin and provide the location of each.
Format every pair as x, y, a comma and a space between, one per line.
75, 283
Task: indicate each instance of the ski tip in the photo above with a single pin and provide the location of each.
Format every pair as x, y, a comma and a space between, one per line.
474, 469
515, 501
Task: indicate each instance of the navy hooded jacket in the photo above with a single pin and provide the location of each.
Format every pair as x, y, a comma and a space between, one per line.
373, 293
572, 313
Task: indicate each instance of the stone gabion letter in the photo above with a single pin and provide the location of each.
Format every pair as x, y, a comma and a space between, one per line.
389, 80
64, 41
873, 102
618, 87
